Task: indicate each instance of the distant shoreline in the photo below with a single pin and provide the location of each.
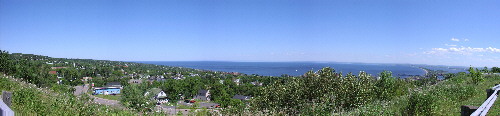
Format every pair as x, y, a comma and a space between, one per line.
425, 70
292, 68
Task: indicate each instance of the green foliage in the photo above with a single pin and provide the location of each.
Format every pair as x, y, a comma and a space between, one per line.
110, 97
459, 78
7, 84
444, 98
30, 100
453, 93
203, 112
476, 75
62, 88
5, 62
449, 75
485, 70
133, 96
386, 87
421, 104
495, 70
324, 91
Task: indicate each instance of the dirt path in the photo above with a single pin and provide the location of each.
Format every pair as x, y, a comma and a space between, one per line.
113, 103
81, 89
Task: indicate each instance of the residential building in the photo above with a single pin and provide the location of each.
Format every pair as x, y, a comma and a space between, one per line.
203, 95
111, 88
242, 97
135, 81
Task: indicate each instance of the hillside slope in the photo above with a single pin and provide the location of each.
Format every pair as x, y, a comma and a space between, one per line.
28, 99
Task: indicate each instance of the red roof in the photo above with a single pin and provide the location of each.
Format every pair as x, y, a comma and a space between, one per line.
53, 72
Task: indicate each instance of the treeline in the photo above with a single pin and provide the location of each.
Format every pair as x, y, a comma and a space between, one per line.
35, 69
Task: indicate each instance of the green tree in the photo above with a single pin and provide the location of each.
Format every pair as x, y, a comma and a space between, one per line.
485, 70
449, 75
495, 70
5, 62
386, 86
133, 96
476, 75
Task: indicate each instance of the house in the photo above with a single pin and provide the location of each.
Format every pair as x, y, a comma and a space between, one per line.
203, 95
107, 90
114, 84
242, 97
53, 72
85, 79
237, 81
135, 81
151, 79
112, 88
256, 83
178, 78
159, 95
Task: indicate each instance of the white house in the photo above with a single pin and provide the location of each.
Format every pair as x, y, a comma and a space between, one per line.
158, 95
162, 97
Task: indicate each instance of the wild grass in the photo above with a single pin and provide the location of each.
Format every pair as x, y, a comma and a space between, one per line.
110, 97
444, 98
28, 99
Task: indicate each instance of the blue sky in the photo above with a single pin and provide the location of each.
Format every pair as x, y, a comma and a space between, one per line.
402, 31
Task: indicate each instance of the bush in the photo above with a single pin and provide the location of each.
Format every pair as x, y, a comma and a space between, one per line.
386, 86
453, 93
476, 75
30, 100
421, 104
7, 84
321, 92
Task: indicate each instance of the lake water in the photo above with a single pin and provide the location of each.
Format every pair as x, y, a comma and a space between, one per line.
293, 68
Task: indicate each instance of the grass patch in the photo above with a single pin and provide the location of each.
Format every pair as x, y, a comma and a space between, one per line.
110, 97
480, 96
28, 99
444, 98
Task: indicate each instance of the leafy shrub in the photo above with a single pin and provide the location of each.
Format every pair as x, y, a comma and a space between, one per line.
7, 84
386, 86
476, 75
133, 96
421, 103
318, 93
62, 88
449, 75
27, 99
